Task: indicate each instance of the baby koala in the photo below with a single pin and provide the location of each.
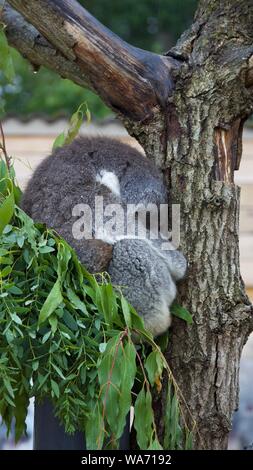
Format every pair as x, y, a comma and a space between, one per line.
79, 189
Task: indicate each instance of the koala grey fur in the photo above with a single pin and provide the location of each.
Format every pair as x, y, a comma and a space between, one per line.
90, 167
146, 280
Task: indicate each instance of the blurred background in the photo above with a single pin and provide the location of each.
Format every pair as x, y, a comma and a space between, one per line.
39, 103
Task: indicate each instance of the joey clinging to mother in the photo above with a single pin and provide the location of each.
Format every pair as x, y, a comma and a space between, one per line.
79, 189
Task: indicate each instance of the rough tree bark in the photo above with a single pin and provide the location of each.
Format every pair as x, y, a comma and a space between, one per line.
187, 109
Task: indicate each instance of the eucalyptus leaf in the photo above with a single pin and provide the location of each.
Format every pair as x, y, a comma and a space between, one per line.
75, 123
181, 312
144, 418
6, 210
53, 300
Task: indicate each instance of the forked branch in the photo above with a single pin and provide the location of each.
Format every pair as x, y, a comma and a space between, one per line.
65, 37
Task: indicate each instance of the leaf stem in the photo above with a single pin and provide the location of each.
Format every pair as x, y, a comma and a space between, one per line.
3, 148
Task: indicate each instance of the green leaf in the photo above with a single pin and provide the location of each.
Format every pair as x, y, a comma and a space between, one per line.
163, 341
4, 260
17, 194
20, 241
107, 298
138, 322
46, 336
181, 312
35, 365
154, 366
116, 374
174, 423
55, 388
6, 211
42, 379
109, 374
53, 323
173, 436
188, 440
59, 141
59, 372
76, 302
155, 445
9, 400
70, 321
46, 249
20, 413
63, 256
16, 318
8, 386
144, 418
15, 290
75, 123
128, 373
126, 312
6, 271
95, 430
53, 301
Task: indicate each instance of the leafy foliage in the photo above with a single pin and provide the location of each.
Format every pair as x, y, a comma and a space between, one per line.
64, 335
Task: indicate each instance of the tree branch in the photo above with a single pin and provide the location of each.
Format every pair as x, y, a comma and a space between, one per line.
66, 38
34, 47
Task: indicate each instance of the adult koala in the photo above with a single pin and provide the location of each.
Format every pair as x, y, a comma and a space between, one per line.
64, 193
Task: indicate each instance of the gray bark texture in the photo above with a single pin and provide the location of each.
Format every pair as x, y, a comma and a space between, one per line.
193, 102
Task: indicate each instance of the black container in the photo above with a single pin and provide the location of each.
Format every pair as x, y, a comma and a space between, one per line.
49, 434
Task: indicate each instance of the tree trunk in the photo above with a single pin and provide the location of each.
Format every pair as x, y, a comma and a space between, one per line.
194, 134
205, 119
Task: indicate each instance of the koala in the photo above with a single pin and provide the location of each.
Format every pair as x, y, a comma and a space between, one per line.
63, 193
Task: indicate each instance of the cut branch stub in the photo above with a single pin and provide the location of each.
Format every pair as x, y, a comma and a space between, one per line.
131, 81
228, 150
249, 75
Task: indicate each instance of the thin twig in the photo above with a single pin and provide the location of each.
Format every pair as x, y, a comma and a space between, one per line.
3, 148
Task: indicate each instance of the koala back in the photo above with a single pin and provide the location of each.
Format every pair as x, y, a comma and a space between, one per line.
78, 173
